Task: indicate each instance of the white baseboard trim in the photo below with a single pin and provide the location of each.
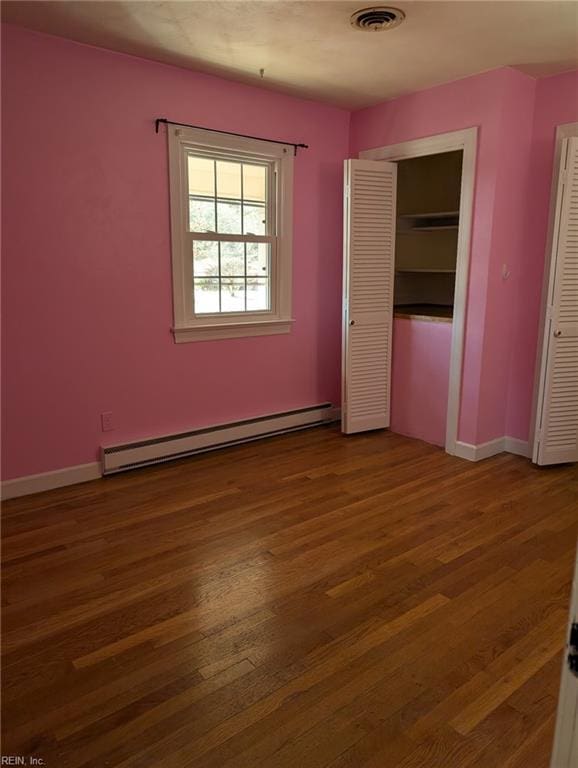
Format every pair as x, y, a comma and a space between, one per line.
83, 473
519, 447
143, 453
479, 452
46, 481
492, 448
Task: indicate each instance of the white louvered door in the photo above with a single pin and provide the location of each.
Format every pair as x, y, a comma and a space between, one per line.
368, 274
556, 438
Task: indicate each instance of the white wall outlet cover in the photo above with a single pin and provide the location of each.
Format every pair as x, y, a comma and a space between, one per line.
106, 421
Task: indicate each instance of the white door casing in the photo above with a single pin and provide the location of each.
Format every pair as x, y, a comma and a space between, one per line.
556, 430
465, 140
368, 279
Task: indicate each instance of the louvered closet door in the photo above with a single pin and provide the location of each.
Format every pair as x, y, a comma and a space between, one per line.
369, 241
556, 438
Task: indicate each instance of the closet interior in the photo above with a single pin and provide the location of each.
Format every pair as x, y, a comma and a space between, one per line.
428, 201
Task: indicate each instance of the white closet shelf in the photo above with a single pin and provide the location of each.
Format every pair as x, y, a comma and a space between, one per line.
426, 229
435, 215
436, 313
441, 271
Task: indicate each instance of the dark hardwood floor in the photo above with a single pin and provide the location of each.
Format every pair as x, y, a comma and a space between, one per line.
308, 601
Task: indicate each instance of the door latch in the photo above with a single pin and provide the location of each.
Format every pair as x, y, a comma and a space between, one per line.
573, 654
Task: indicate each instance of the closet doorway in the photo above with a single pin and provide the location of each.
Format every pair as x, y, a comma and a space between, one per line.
426, 244
408, 212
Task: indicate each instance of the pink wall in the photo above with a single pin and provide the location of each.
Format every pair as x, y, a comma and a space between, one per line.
420, 379
506, 254
500, 103
86, 278
556, 103
86, 251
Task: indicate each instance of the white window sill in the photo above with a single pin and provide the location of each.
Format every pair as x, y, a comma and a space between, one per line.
231, 330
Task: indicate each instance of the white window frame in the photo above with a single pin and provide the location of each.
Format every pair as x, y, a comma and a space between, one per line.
279, 157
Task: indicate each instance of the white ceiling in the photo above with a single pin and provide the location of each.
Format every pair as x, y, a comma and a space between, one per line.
309, 48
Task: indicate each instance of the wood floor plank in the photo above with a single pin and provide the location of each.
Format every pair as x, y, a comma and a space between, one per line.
310, 600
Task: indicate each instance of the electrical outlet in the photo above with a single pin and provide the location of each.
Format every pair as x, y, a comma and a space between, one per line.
106, 421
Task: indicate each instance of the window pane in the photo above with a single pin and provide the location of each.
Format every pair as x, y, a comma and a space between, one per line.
202, 215
201, 176
257, 294
254, 219
232, 259
254, 182
229, 218
232, 295
206, 295
205, 258
257, 259
228, 179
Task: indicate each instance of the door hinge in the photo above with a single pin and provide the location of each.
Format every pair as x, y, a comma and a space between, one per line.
573, 646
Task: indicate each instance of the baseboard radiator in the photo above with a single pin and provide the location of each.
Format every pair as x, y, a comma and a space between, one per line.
119, 458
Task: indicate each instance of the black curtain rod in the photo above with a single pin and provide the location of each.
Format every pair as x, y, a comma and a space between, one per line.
160, 120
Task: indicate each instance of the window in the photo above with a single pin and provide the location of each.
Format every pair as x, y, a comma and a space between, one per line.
231, 235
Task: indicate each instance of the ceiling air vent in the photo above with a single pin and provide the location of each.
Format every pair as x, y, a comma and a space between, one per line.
377, 19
